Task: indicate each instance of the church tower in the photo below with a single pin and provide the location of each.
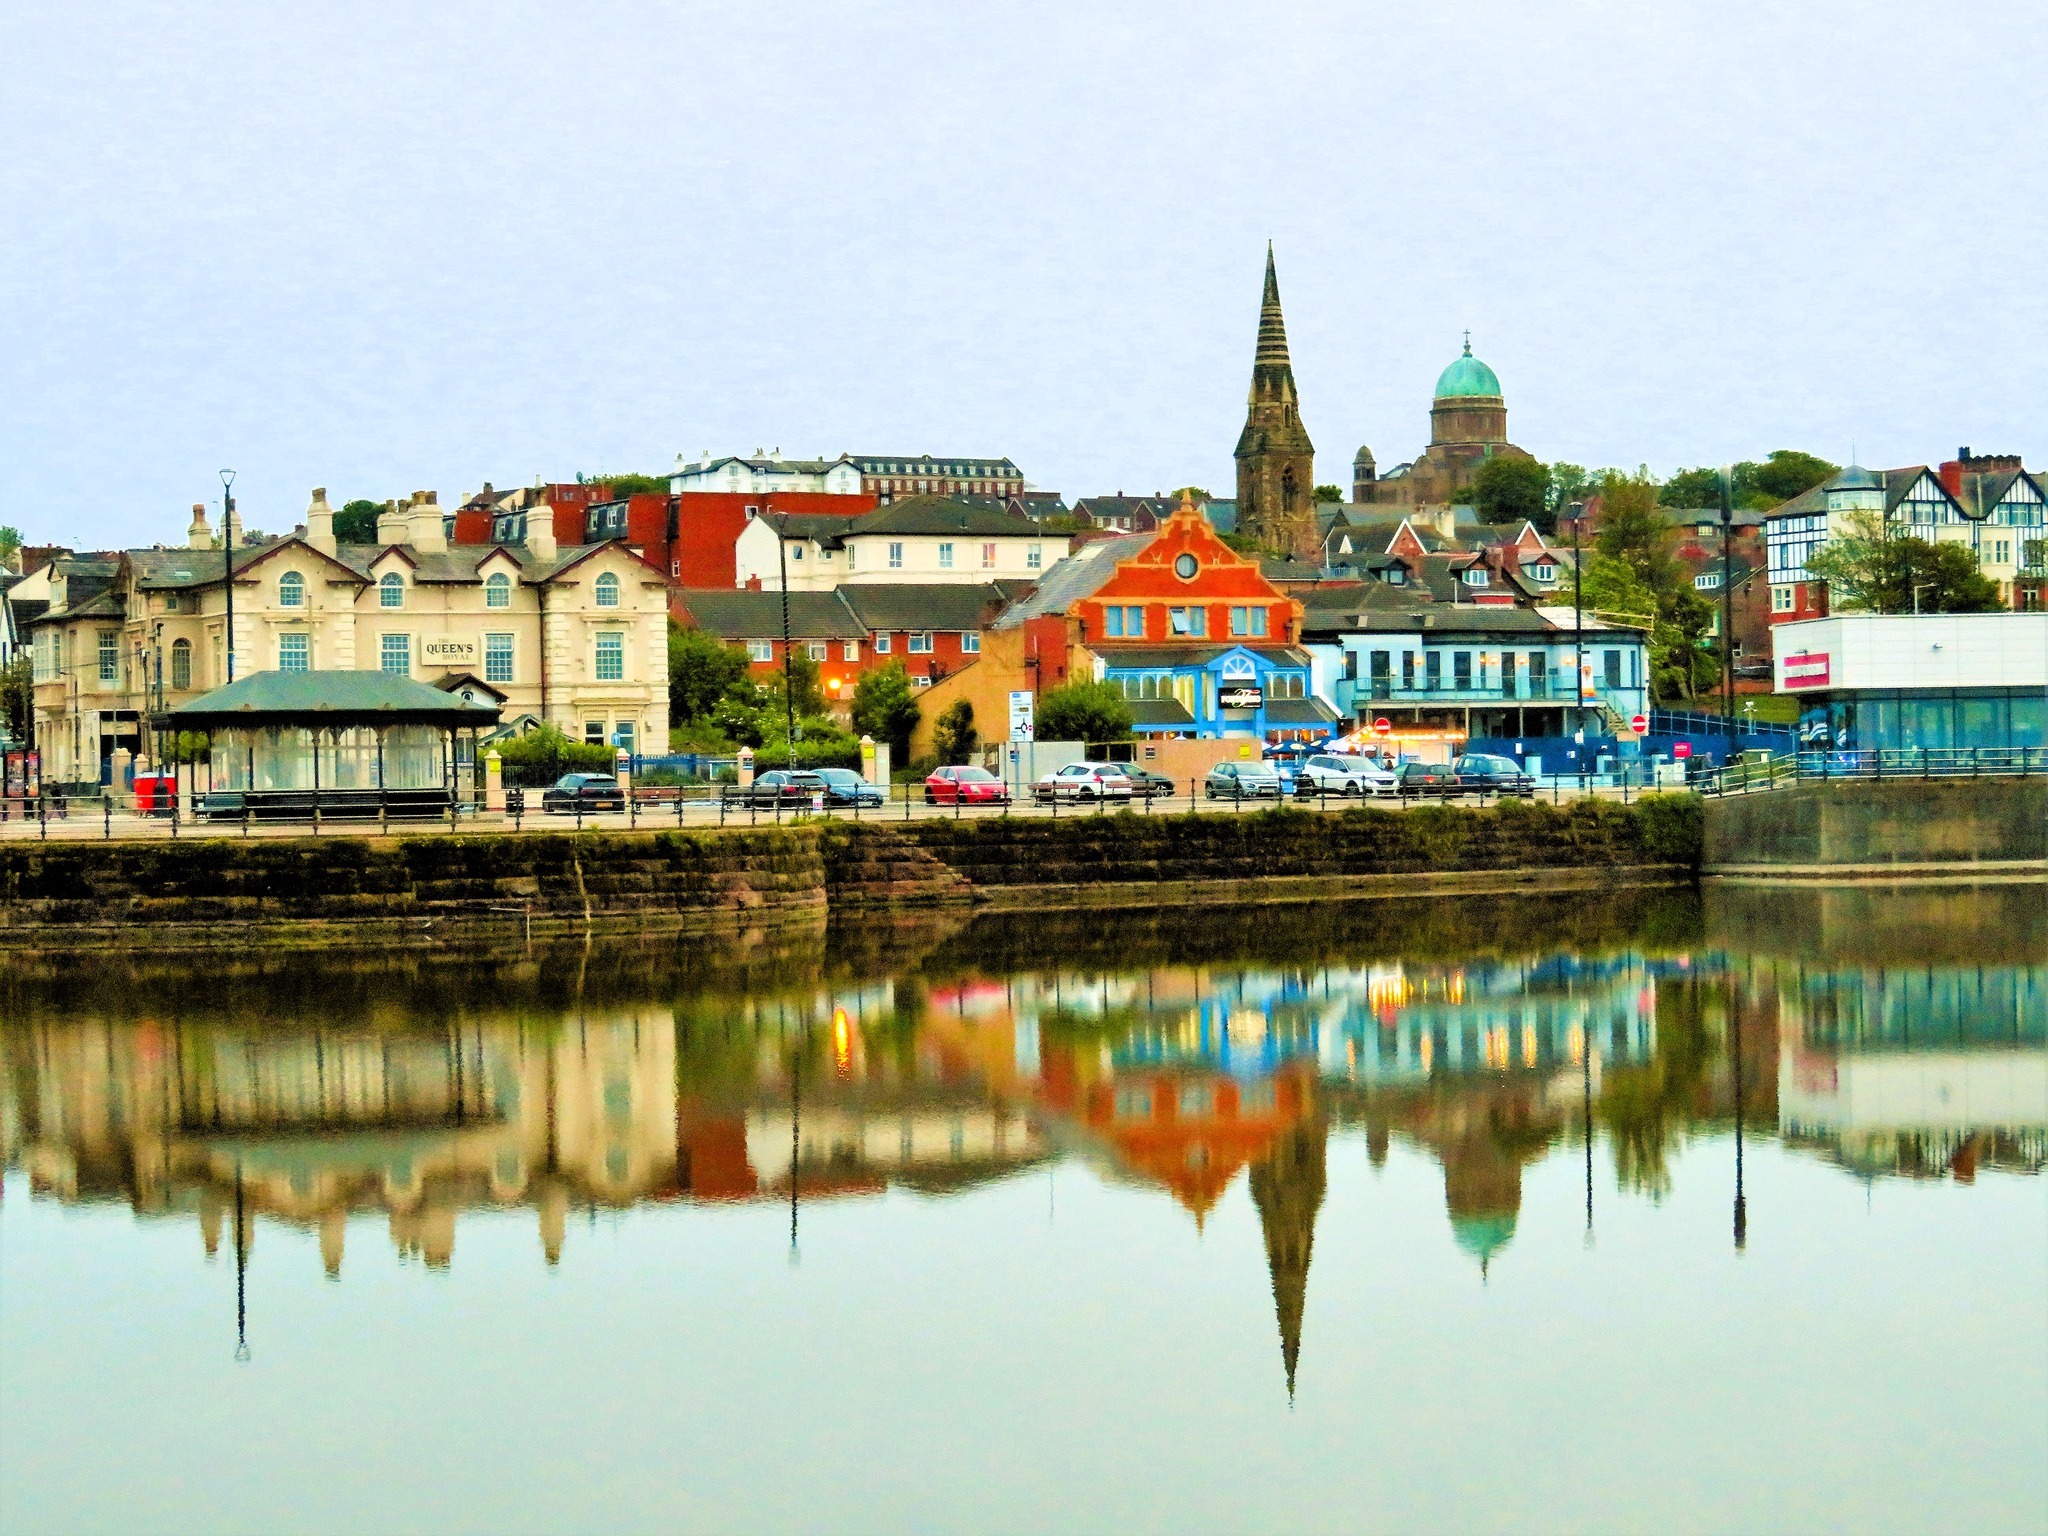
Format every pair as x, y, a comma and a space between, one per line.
1276, 489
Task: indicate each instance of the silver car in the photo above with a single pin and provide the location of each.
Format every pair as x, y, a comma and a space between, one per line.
1083, 781
1329, 774
1242, 781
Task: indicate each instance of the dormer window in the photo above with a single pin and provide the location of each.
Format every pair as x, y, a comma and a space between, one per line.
1475, 576
607, 590
291, 590
498, 590
1544, 571
1396, 575
391, 590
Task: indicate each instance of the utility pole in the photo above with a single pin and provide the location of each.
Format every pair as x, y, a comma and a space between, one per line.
1728, 606
227, 563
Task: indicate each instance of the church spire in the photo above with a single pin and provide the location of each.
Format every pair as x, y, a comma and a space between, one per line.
1272, 348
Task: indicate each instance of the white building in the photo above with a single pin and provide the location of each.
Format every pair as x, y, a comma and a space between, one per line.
764, 474
923, 539
1906, 681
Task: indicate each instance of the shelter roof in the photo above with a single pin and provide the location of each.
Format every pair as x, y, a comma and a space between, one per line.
332, 696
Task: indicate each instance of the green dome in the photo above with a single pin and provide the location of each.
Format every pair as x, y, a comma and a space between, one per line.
1466, 377
1483, 1236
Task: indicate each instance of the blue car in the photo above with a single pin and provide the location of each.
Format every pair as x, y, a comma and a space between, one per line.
845, 787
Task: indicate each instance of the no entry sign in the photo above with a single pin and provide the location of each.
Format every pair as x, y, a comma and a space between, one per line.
1382, 726
1639, 723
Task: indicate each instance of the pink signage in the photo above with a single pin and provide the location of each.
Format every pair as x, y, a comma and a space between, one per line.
1807, 669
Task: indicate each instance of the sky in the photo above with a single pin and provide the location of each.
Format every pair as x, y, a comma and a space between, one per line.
387, 247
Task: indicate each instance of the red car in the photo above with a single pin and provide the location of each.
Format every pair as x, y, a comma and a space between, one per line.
969, 786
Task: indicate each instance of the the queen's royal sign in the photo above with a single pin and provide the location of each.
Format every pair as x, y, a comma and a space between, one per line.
448, 653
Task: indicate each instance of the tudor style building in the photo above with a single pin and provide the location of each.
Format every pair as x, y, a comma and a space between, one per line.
574, 635
1276, 474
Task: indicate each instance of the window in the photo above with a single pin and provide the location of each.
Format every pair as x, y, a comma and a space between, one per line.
882, 644
1433, 670
1706, 581
391, 590
498, 590
611, 656
394, 654
1507, 674
1543, 571
110, 656
945, 556
1187, 621
1475, 576
815, 649
760, 650
497, 658
1382, 672
1396, 575
622, 735
970, 642
849, 556
1407, 669
849, 650
988, 557
1539, 674
1612, 661
1461, 670
294, 653
291, 590
921, 643
1248, 621
1113, 622
593, 733
1034, 557
1185, 566
181, 663
896, 557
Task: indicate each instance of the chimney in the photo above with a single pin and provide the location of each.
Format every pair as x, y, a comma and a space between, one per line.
429, 532
393, 524
320, 522
1951, 475
199, 536
540, 534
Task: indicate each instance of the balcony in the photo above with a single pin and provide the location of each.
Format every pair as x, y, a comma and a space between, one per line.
1356, 695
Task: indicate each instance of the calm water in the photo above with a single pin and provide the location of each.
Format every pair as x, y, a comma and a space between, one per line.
1284, 1221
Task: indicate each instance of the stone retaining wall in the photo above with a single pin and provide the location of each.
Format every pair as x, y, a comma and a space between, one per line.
1882, 826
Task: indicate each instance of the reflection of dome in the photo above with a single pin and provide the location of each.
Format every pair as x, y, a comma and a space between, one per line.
1483, 1236
1467, 377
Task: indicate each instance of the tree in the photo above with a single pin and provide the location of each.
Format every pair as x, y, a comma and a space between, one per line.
1191, 492
1867, 568
1325, 493
628, 485
1085, 712
544, 754
885, 707
16, 694
1635, 530
1692, 488
1245, 544
800, 686
1679, 664
702, 670
1568, 483
1785, 474
356, 523
10, 548
1510, 490
953, 735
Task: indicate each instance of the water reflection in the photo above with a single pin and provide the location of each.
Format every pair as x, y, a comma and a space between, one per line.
929, 1063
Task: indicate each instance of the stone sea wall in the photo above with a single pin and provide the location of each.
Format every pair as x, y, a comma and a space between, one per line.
1969, 826
427, 886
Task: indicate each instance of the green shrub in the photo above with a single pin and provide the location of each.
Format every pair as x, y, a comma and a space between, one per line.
1672, 828
544, 754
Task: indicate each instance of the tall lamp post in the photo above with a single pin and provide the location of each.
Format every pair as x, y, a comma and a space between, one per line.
1578, 512
227, 561
1728, 607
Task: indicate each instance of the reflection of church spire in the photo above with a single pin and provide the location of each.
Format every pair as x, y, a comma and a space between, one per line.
1288, 1189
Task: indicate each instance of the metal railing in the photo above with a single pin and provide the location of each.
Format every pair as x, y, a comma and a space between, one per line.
1922, 762
1687, 722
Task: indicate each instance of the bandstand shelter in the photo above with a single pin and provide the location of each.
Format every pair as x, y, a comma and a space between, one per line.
283, 744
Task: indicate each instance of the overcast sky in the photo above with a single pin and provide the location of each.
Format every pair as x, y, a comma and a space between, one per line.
382, 247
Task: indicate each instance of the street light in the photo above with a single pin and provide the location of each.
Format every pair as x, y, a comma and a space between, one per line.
227, 560
1918, 588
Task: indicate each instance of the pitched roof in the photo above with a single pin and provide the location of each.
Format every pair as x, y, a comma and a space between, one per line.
1159, 712
737, 614
1080, 575
887, 606
1444, 618
942, 514
334, 696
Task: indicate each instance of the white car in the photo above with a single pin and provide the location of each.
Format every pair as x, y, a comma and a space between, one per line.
1327, 773
1083, 781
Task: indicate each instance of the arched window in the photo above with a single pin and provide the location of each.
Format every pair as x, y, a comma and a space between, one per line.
498, 590
181, 663
1290, 491
291, 590
391, 590
607, 591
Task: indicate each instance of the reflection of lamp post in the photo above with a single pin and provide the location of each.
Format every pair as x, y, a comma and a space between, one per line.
241, 1271
1735, 1033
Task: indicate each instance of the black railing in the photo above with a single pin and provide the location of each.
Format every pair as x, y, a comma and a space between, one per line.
1922, 762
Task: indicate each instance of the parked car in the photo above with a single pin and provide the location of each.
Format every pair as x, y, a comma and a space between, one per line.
1147, 785
1242, 781
845, 787
1083, 781
591, 791
1328, 773
1427, 779
1491, 774
964, 785
795, 788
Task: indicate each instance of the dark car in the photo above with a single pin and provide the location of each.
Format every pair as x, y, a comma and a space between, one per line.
1147, 785
1488, 773
964, 784
794, 788
1242, 781
590, 791
1428, 779
845, 787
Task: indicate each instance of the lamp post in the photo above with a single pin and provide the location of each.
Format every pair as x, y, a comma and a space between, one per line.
1578, 512
1918, 588
1727, 607
227, 562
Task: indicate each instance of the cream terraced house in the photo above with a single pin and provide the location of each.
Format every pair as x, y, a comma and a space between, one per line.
927, 540
576, 635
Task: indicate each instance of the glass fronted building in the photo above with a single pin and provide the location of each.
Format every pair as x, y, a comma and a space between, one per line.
1913, 682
